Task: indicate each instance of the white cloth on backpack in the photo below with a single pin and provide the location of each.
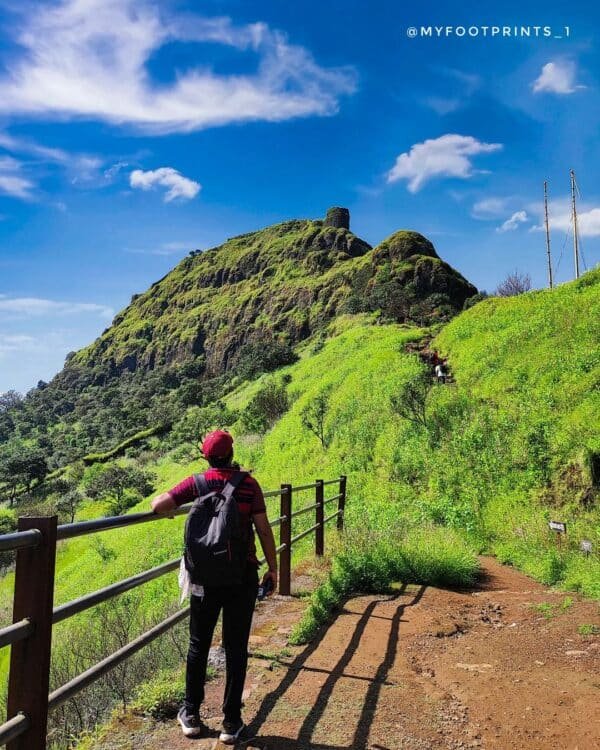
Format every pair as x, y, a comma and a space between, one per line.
186, 586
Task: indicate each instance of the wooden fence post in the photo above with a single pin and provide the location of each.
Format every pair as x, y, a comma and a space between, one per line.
341, 503
30, 658
285, 537
320, 515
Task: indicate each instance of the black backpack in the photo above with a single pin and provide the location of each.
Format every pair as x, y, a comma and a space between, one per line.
216, 545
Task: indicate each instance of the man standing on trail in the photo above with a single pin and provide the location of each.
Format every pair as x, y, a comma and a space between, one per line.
236, 600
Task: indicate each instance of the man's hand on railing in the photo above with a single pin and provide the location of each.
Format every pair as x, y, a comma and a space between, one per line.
163, 504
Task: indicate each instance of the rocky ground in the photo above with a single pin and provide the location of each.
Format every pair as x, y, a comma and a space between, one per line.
509, 665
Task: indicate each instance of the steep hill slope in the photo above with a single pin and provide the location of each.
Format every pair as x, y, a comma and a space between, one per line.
286, 282
235, 310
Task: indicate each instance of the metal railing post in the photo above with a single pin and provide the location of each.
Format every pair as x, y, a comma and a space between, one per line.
30, 658
285, 537
341, 503
319, 516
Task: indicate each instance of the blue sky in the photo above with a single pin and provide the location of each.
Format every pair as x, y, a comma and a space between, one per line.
133, 131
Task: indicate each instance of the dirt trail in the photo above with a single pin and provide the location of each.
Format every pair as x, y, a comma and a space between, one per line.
421, 669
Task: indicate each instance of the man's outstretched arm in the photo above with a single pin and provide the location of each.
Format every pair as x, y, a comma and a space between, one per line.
163, 503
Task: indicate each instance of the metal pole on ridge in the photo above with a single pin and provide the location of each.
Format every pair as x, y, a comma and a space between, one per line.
285, 538
341, 503
30, 658
320, 515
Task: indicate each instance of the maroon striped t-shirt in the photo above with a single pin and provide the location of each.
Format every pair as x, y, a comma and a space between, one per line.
249, 498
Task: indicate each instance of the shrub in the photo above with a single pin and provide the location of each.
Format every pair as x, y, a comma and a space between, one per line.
265, 408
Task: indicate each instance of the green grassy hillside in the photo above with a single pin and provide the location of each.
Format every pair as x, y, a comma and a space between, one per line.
511, 443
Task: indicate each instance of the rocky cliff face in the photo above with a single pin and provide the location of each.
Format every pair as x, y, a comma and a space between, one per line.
282, 284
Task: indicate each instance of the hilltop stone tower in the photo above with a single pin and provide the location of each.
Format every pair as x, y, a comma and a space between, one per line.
337, 217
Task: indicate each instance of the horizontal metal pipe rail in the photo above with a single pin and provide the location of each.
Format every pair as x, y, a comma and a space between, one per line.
31, 538
81, 528
302, 511
303, 534
333, 515
76, 606
16, 632
20, 540
92, 674
14, 728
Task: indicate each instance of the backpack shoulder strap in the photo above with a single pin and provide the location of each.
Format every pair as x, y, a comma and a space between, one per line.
202, 486
233, 483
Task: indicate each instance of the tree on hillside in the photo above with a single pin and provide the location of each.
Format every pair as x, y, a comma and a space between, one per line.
265, 408
20, 467
515, 283
313, 417
411, 402
120, 487
10, 399
68, 504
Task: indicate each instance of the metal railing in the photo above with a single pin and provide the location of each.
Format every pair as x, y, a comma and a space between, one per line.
30, 634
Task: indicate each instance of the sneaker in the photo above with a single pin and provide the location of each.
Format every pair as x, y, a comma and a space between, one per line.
190, 724
231, 731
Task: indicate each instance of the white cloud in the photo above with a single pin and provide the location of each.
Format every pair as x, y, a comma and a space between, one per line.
81, 168
560, 217
88, 59
489, 208
12, 181
519, 217
38, 307
449, 155
167, 248
16, 343
443, 105
557, 77
167, 177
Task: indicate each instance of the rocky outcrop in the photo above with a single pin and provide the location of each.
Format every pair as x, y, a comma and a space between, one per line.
337, 217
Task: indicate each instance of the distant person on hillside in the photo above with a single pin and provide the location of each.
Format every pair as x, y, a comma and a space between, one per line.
237, 600
440, 372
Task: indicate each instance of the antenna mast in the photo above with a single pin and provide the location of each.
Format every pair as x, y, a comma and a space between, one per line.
550, 281
575, 233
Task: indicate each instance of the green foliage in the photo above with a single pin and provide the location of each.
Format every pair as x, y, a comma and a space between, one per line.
197, 421
314, 417
588, 629
162, 696
268, 404
121, 487
8, 524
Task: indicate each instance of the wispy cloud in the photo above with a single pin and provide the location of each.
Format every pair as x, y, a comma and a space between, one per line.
39, 307
12, 181
489, 208
177, 186
450, 155
557, 77
167, 248
561, 219
16, 343
512, 223
88, 59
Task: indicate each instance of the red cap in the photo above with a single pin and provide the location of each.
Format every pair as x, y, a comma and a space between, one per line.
217, 444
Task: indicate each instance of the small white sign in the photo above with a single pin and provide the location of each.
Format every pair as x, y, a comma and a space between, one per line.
586, 546
558, 526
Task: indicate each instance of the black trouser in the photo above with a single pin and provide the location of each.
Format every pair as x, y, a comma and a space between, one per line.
237, 603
